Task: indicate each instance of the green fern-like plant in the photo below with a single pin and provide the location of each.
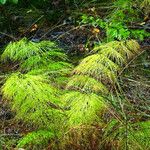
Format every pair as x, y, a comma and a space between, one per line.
86, 84
84, 108
19, 51
34, 95
33, 90
30, 90
97, 67
32, 55
33, 98
119, 52
92, 78
36, 139
37, 58
109, 60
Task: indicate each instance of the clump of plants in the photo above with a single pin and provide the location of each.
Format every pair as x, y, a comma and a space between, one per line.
89, 106
117, 24
98, 75
59, 108
33, 88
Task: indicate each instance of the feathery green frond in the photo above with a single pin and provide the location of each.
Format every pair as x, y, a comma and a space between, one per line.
37, 63
21, 50
59, 67
56, 72
122, 50
36, 139
38, 58
33, 98
110, 58
33, 55
86, 84
97, 67
133, 46
113, 55
84, 108
34, 62
92, 75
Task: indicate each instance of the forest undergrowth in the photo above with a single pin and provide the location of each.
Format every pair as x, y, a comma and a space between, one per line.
81, 84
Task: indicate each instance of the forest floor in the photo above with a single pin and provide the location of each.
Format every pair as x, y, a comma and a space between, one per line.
77, 41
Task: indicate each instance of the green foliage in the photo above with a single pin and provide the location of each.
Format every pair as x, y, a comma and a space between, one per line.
90, 78
104, 65
86, 84
139, 34
36, 139
34, 94
117, 23
119, 52
128, 135
93, 21
23, 50
140, 135
120, 20
109, 51
49, 65
33, 91
118, 31
84, 108
114, 29
33, 98
37, 58
97, 67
